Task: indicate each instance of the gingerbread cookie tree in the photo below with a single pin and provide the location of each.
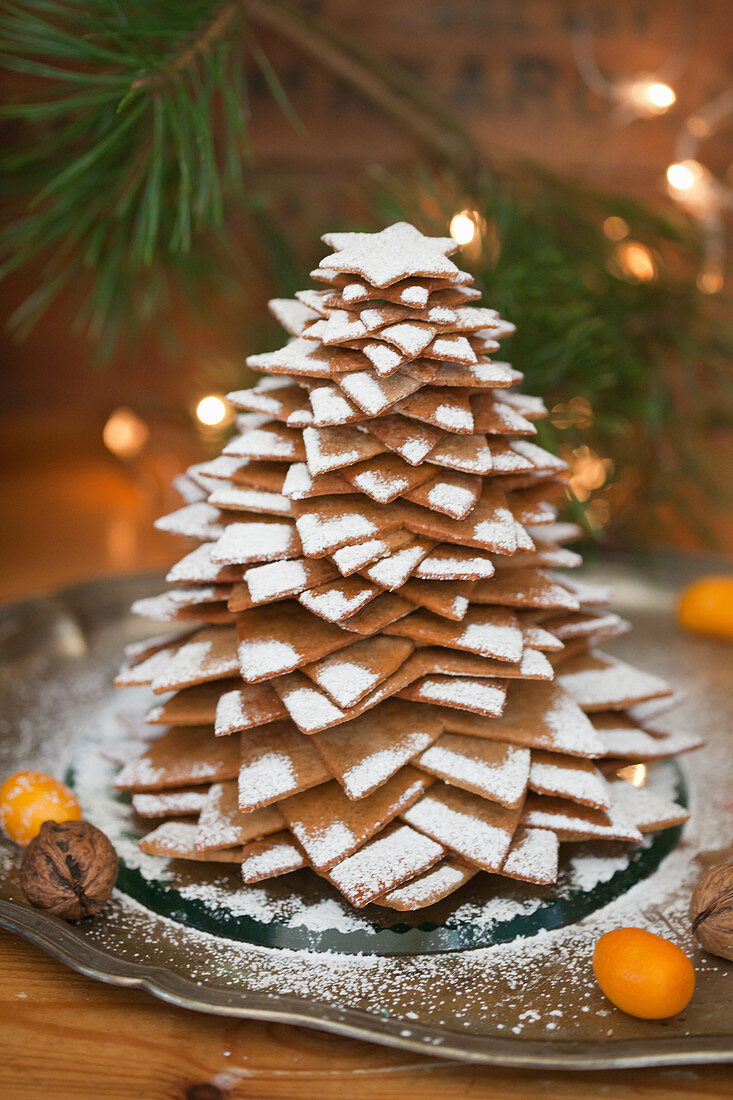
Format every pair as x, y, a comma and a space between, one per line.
381, 676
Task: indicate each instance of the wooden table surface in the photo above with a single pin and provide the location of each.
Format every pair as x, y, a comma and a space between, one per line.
64, 1036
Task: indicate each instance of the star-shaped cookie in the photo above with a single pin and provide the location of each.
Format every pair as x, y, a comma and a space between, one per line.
396, 253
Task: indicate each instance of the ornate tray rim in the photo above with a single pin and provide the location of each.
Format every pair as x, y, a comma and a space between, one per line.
61, 942
65, 943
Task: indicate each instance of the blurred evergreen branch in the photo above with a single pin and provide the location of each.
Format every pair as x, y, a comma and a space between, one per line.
652, 358
119, 157
121, 166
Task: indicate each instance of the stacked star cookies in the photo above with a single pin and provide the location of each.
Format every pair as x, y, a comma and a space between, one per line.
380, 674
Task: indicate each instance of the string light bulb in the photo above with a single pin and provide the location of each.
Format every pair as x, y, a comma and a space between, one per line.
710, 280
463, 227
661, 96
125, 433
684, 175
648, 96
641, 96
615, 228
705, 196
212, 410
692, 185
636, 262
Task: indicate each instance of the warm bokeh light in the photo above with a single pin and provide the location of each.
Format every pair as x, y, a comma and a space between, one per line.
588, 472
661, 97
464, 227
577, 413
125, 433
698, 127
647, 96
634, 773
561, 416
684, 175
615, 228
211, 410
636, 262
582, 412
710, 280
598, 513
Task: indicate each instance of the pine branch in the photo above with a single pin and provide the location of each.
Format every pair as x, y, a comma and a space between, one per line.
196, 51
140, 142
652, 359
122, 171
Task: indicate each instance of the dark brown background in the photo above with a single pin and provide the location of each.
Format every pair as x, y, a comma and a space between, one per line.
506, 67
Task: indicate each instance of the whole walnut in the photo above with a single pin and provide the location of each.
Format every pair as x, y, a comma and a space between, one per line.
69, 869
711, 910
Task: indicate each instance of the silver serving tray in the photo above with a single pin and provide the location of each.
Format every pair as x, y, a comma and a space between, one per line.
531, 1003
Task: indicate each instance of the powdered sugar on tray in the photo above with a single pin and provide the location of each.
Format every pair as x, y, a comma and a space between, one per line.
520, 987
480, 988
93, 776
537, 987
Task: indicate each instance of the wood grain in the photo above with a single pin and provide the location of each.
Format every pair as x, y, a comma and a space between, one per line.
65, 1036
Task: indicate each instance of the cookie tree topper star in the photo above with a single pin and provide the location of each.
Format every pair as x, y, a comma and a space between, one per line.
385, 258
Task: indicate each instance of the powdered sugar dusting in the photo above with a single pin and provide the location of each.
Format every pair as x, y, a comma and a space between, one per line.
453, 499
459, 831
267, 581
586, 786
347, 681
326, 843
310, 709
504, 780
318, 533
375, 768
271, 775
259, 659
533, 856
383, 863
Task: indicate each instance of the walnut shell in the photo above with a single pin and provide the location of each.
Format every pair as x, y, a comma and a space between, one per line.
711, 910
69, 869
